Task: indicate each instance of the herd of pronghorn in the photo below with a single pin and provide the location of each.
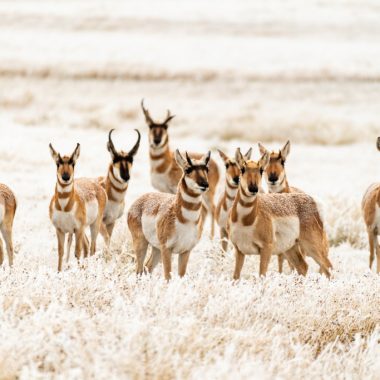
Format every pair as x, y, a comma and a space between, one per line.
285, 222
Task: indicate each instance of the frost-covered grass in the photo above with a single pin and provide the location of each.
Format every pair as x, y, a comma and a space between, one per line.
233, 73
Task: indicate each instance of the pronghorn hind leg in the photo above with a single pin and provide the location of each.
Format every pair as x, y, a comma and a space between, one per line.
140, 246
86, 245
372, 242
110, 228
280, 260
183, 259
297, 260
224, 238
239, 261
6, 230
78, 243
1, 252
319, 257
154, 259
377, 256
94, 228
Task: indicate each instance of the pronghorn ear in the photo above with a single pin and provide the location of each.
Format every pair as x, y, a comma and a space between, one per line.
53, 153
285, 150
206, 158
247, 156
264, 161
182, 163
239, 158
378, 143
222, 155
75, 154
262, 148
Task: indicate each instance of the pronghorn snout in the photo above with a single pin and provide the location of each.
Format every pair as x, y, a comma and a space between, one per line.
65, 176
273, 177
236, 180
203, 185
157, 140
253, 189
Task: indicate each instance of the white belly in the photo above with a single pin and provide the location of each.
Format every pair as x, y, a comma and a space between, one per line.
286, 231
65, 221
242, 237
113, 211
184, 239
148, 223
2, 213
161, 182
92, 210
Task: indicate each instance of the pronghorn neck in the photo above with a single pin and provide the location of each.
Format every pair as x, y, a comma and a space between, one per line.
160, 158
189, 204
64, 196
115, 189
244, 208
230, 192
282, 187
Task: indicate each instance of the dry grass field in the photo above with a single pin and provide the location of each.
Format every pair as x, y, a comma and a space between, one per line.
234, 73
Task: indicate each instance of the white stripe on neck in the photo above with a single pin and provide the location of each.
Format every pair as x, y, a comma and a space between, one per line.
188, 198
66, 189
116, 183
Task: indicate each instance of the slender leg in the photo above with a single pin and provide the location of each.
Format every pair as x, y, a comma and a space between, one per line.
239, 261
110, 229
61, 243
377, 258
297, 260
78, 242
86, 244
140, 245
224, 237
154, 259
94, 228
6, 230
372, 242
280, 259
265, 255
322, 260
183, 259
69, 243
166, 257
1, 252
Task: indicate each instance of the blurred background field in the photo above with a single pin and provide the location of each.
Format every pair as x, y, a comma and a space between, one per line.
234, 73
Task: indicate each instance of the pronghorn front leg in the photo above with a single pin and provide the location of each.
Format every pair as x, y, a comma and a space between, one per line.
61, 246
6, 230
1, 252
239, 261
166, 257
372, 242
183, 259
265, 255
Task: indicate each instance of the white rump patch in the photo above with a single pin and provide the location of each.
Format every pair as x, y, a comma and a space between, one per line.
92, 209
149, 229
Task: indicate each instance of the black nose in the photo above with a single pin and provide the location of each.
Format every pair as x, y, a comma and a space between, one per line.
157, 140
203, 184
236, 180
253, 188
125, 176
65, 176
273, 177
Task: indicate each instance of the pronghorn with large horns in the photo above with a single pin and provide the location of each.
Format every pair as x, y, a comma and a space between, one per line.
227, 198
116, 182
8, 206
371, 215
165, 172
277, 182
75, 205
170, 223
266, 224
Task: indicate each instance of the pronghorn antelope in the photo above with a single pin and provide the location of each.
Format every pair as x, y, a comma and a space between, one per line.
75, 205
8, 206
227, 198
276, 180
116, 182
371, 215
170, 223
266, 224
165, 173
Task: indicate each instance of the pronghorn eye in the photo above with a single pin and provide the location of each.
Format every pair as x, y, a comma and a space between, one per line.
261, 171
188, 170
283, 162
242, 170
227, 166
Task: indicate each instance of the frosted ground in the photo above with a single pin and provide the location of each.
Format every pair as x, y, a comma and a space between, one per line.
233, 73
